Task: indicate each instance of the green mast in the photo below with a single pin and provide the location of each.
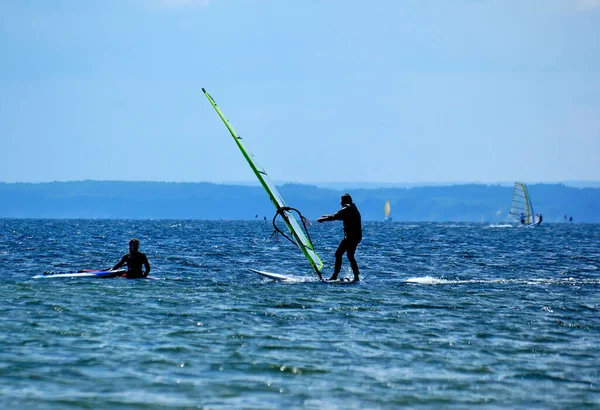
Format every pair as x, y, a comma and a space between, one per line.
296, 231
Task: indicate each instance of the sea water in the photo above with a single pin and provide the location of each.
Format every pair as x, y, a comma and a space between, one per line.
446, 316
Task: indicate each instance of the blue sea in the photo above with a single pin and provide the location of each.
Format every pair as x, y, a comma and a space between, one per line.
454, 316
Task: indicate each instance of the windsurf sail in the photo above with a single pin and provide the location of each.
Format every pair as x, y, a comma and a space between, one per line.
299, 236
387, 209
522, 208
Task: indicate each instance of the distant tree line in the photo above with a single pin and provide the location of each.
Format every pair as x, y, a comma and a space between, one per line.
167, 200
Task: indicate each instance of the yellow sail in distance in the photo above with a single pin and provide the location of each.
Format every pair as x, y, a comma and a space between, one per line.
387, 208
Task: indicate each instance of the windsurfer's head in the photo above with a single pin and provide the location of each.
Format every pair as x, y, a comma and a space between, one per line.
346, 199
134, 245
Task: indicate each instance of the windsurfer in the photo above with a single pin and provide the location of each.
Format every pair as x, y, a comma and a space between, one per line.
350, 215
134, 261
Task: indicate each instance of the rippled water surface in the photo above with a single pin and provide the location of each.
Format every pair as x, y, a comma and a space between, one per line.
446, 316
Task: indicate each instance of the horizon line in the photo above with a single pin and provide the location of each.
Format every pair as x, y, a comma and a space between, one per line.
332, 184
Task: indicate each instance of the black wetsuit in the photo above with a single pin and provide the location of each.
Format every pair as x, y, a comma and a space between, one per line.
134, 262
350, 215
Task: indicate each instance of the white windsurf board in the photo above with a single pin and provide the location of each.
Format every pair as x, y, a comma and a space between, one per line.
269, 275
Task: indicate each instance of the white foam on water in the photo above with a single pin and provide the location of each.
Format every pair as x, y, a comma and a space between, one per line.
430, 280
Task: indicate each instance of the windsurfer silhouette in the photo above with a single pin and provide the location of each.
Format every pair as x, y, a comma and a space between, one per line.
134, 261
350, 215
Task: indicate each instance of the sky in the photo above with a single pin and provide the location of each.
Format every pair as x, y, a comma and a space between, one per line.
382, 91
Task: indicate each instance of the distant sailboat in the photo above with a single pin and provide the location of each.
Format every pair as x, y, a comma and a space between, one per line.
522, 208
387, 209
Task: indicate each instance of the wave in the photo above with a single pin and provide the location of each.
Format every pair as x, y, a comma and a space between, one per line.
430, 280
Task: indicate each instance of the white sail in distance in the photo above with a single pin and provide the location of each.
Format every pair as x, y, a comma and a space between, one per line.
522, 208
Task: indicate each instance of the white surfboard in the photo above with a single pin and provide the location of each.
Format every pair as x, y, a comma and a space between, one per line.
279, 277
341, 281
88, 274
269, 275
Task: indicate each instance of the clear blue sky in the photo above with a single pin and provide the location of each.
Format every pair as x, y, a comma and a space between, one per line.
321, 90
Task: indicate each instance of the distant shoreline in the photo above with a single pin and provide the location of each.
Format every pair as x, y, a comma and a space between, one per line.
212, 201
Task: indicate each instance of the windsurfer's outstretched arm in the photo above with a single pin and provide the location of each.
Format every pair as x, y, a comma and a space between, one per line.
324, 218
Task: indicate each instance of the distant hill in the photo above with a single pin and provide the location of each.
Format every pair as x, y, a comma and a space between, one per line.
169, 200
